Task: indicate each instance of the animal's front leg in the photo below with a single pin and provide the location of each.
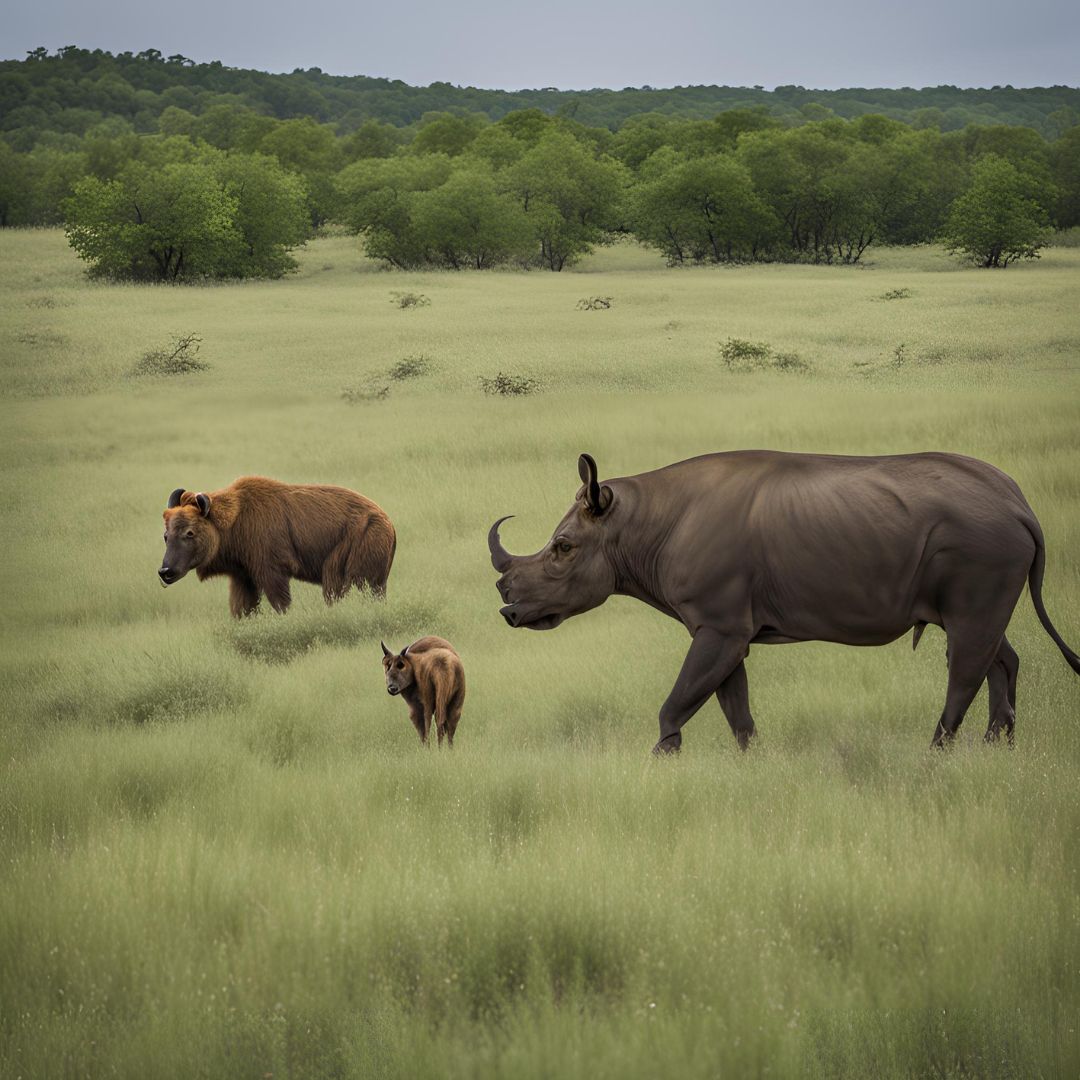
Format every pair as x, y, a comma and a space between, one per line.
278, 593
243, 595
713, 656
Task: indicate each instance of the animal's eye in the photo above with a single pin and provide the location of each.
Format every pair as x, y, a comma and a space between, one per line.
564, 547
190, 533
400, 665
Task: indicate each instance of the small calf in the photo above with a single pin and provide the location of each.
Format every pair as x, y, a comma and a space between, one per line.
429, 676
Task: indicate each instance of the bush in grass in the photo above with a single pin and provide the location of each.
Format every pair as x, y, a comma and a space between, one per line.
409, 300
179, 357
410, 367
595, 303
507, 384
741, 355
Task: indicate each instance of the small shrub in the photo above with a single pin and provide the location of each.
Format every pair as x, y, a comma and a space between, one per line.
179, 357
509, 385
41, 302
407, 300
595, 303
895, 294
740, 355
789, 361
736, 352
899, 355
411, 367
373, 389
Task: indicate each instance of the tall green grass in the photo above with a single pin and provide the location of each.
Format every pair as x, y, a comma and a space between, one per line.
224, 851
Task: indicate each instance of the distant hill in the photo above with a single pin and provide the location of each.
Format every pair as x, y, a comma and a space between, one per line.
74, 90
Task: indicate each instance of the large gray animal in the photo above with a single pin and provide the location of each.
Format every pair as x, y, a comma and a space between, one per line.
758, 547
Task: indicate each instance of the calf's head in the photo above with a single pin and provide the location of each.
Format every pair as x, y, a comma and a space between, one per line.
572, 572
191, 538
398, 669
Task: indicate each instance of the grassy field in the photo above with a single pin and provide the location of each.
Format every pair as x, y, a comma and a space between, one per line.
223, 852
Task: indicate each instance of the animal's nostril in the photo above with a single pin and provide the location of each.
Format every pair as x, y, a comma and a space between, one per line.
163, 572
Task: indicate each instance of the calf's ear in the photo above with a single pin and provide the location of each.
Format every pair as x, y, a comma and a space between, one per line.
385, 650
204, 503
174, 498
597, 498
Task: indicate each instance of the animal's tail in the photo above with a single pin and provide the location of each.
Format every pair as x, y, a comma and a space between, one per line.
1035, 577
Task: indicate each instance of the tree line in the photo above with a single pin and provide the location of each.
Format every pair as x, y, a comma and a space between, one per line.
228, 192
74, 90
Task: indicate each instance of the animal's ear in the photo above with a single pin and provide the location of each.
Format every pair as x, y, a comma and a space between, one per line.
597, 498
174, 498
204, 503
385, 650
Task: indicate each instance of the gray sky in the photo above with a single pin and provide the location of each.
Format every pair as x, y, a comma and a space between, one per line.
573, 45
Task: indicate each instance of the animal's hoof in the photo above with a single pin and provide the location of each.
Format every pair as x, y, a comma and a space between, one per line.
670, 745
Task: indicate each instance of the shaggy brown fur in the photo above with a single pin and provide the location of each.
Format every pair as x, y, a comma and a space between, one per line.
261, 533
429, 676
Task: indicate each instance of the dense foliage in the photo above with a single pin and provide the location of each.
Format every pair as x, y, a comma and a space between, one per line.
211, 216
534, 178
73, 89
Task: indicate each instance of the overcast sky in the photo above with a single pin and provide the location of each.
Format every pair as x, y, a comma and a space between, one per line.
575, 44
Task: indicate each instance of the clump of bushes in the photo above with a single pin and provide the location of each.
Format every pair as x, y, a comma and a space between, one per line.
410, 367
377, 387
179, 357
741, 355
595, 303
509, 385
409, 300
895, 294
372, 389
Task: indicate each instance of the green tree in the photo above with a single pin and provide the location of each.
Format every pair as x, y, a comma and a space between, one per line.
703, 210
469, 223
271, 214
573, 196
375, 200
172, 224
221, 216
1001, 217
444, 133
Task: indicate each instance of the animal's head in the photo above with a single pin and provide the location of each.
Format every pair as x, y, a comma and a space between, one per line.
398, 668
573, 572
191, 538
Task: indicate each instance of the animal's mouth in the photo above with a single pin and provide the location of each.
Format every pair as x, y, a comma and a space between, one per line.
517, 620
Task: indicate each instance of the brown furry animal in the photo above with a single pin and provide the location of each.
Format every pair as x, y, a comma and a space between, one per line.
260, 533
429, 676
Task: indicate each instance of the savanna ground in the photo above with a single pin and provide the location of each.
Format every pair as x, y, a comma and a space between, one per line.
224, 852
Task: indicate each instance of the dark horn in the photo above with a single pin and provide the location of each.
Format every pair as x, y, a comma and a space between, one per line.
500, 557
174, 498
385, 650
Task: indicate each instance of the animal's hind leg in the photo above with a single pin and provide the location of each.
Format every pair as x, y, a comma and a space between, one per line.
734, 698
336, 576
971, 652
1002, 681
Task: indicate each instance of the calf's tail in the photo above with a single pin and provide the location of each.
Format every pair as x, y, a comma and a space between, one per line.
1035, 577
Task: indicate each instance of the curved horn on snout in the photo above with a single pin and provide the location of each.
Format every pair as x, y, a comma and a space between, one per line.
175, 497
500, 557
